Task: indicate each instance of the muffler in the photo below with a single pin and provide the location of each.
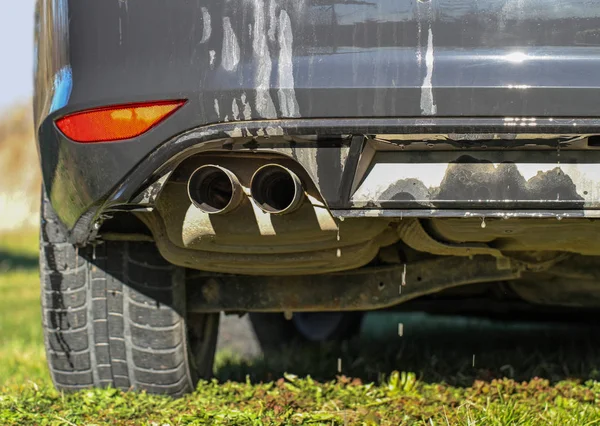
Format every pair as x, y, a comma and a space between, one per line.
276, 189
214, 189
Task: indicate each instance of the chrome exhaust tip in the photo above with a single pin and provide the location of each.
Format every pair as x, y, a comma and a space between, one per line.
214, 189
276, 189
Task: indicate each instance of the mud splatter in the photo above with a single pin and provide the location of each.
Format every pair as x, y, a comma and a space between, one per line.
217, 110
235, 133
262, 57
235, 110
247, 111
272, 20
206, 29
120, 32
231, 48
287, 94
124, 2
428, 106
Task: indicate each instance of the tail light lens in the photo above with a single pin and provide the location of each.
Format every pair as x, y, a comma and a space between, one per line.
115, 122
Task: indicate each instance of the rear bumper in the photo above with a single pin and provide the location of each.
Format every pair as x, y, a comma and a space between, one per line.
319, 68
360, 176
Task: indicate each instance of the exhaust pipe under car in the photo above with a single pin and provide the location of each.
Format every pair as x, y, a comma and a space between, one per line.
276, 189
214, 189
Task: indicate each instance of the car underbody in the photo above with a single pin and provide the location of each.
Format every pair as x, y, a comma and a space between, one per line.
379, 212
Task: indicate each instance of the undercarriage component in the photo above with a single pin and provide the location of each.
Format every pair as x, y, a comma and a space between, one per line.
571, 283
413, 234
363, 289
307, 241
554, 290
276, 189
214, 189
516, 235
500, 309
248, 240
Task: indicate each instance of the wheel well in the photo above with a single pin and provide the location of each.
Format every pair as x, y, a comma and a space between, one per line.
125, 225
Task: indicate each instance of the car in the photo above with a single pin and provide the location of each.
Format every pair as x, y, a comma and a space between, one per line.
305, 161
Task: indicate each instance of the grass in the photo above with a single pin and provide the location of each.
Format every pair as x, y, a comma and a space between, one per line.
451, 372
21, 349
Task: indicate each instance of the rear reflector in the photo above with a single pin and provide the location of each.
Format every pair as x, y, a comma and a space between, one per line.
116, 122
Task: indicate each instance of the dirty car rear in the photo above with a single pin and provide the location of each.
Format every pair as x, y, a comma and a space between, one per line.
376, 142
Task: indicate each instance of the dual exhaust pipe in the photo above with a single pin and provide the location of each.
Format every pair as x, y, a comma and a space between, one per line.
274, 188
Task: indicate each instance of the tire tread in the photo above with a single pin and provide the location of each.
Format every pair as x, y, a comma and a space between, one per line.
99, 325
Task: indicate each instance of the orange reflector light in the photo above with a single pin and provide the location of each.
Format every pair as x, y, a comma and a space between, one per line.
116, 122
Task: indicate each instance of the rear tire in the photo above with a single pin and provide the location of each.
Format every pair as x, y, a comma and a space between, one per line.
114, 315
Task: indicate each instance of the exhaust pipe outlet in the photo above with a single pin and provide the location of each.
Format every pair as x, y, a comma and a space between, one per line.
276, 189
214, 189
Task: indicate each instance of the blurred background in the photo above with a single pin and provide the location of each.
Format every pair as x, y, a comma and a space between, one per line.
19, 169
